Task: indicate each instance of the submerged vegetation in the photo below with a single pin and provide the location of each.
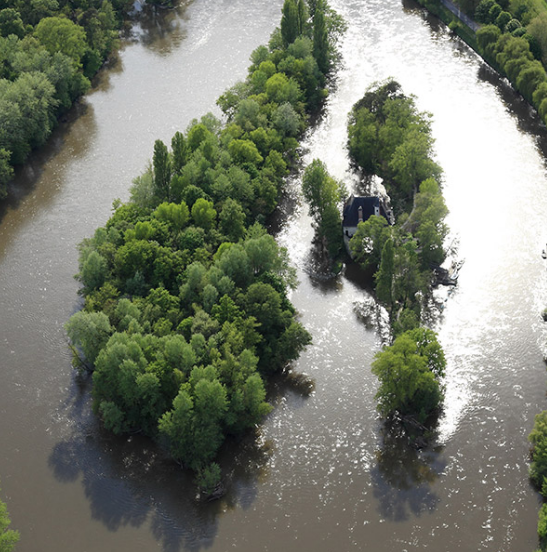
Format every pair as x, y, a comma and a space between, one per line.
186, 310
390, 138
49, 50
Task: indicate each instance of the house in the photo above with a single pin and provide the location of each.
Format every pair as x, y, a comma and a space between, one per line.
360, 209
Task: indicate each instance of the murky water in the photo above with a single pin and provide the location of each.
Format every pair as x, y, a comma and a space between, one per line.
323, 476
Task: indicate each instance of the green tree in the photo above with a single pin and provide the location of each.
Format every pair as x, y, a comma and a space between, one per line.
320, 38
286, 120
58, 34
177, 426
204, 214
538, 29
409, 372
530, 78
6, 172
245, 151
8, 537
538, 438
162, 170
482, 13
176, 214
487, 37
89, 331
180, 152
319, 189
412, 164
323, 195
232, 220
367, 243
11, 23
384, 276
290, 24
94, 271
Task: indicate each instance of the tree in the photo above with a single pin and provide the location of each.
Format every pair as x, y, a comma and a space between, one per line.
384, 276
8, 537
487, 37
368, 241
58, 34
409, 372
538, 29
319, 189
530, 78
290, 25
323, 194
538, 438
411, 163
176, 426
482, 13
320, 38
204, 214
11, 23
162, 170
286, 120
180, 151
363, 138
245, 151
94, 271
6, 172
90, 332
176, 214
232, 220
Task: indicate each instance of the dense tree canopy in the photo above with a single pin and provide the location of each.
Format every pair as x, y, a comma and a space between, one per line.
388, 136
409, 372
186, 308
48, 51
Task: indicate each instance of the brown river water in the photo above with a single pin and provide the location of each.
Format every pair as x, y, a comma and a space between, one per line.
323, 475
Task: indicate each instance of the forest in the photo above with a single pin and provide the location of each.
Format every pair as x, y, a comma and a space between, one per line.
186, 310
49, 51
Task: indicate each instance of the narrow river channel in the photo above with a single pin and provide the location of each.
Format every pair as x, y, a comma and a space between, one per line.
322, 476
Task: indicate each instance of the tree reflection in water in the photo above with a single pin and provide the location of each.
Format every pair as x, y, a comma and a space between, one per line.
406, 472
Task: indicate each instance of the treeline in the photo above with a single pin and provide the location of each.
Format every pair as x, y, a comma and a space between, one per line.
49, 49
389, 137
512, 39
186, 307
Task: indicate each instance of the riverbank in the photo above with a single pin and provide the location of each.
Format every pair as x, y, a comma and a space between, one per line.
511, 48
51, 53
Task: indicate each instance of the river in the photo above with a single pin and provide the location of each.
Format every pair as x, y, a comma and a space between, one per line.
322, 475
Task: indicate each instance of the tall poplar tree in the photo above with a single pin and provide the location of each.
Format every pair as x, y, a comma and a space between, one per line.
162, 170
384, 276
289, 22
320, 38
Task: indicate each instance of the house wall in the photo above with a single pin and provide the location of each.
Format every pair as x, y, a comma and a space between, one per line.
349, 230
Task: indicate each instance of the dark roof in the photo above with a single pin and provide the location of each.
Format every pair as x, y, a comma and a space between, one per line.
351, 213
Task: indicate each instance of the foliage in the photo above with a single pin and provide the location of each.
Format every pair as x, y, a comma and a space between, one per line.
49, 50
323, 194
538, 438
8, 537
186, 306
389, 137
409, 372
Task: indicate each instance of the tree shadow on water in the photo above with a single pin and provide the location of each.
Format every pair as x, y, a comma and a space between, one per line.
405, 474
130, 481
